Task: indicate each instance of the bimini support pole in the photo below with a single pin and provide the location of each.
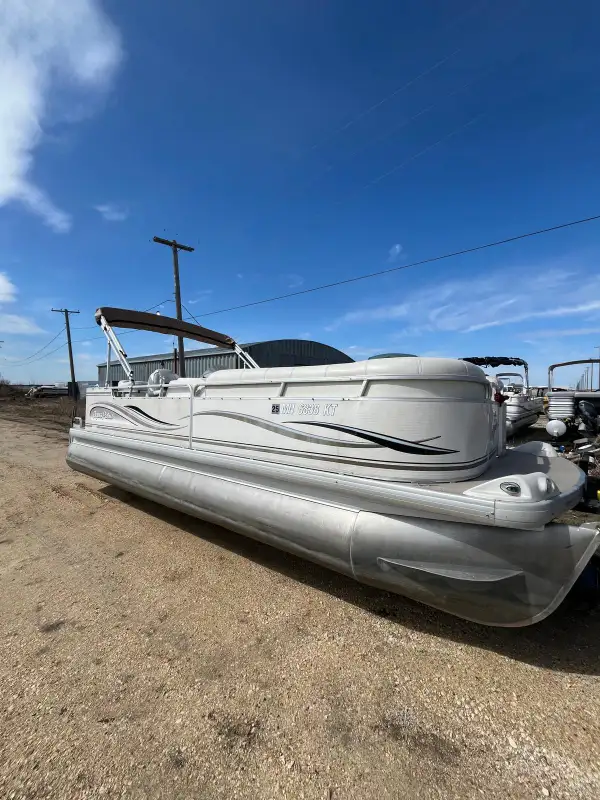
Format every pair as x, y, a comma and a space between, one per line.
245, 357
106, 380
113, 342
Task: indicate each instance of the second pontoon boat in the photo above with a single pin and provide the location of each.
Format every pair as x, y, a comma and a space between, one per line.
523, 406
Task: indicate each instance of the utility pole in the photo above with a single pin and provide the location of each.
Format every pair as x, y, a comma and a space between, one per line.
598, 349
175, 247
74, 392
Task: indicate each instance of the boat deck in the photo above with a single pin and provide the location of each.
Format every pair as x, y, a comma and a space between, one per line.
516, 462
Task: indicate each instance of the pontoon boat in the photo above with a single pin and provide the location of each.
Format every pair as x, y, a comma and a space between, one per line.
523, 406
392, 471
578, 408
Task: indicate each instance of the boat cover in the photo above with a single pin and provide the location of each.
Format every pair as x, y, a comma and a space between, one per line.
146, 321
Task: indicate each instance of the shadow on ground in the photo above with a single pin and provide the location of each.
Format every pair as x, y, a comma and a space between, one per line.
568, 641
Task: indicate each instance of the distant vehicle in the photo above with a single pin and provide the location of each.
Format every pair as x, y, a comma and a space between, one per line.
48, 391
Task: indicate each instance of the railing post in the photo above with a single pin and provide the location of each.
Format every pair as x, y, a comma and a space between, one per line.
191, 430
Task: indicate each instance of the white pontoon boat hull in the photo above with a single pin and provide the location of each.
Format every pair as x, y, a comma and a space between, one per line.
491, 575
521, 413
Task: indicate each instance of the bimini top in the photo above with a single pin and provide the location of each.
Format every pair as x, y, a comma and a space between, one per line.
497, 361
145, 321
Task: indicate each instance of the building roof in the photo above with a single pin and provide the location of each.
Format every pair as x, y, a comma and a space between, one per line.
213, 351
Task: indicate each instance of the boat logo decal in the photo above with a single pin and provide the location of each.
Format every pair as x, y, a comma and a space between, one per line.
102, 413
131, 414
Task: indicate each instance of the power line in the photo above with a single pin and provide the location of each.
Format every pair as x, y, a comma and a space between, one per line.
31, 359
424, 261
430, 147
190, 315
27, 363
422, 152
406, 122
384, 100
40, 350
399, 89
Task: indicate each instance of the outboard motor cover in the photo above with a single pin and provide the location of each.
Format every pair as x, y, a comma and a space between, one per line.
589, 415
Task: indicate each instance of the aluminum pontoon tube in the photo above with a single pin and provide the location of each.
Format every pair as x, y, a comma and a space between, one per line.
494, 576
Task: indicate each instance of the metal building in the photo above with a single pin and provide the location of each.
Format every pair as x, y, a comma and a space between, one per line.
276, 353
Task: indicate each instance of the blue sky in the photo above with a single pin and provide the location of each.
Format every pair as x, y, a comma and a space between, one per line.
293, 144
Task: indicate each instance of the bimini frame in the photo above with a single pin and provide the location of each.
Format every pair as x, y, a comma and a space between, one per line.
108, 317
502, 361
552, 367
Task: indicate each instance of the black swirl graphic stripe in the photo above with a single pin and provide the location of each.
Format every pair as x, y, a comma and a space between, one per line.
276, 427
144, 414
370, 438
401, 445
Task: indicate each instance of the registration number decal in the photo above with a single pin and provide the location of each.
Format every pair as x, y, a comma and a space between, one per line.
305, 409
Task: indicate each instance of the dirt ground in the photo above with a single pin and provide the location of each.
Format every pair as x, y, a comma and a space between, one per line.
146, 654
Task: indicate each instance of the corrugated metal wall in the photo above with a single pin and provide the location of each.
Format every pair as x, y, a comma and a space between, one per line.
278, 353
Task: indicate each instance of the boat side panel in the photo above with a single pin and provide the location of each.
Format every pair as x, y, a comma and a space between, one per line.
433, 437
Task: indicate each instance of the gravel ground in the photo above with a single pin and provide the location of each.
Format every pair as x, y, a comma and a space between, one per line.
146, 654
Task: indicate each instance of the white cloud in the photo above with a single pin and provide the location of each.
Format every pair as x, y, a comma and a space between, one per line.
375, 314
356, 351
560, 311
499, 299
200, 296
294, 280
50, 48
111, 212
12, 323
394, 252
556, 333
8, 291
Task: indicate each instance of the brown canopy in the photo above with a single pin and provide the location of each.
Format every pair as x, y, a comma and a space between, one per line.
145, 321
